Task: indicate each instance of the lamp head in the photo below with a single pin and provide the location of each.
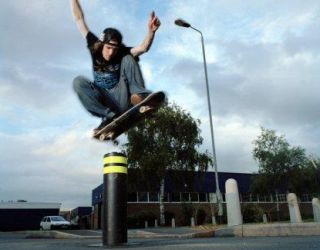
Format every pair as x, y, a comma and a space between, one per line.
182, 23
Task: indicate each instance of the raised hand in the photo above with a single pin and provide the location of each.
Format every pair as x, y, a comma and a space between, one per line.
154, 22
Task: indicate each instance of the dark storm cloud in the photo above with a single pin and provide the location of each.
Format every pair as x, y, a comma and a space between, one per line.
36, 72
259, 84
272, 84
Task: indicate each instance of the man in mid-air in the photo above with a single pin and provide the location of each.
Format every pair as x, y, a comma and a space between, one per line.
118, 83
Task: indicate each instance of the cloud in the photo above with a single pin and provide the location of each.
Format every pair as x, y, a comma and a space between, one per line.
264, 71
307, 41
58, 165
263, 65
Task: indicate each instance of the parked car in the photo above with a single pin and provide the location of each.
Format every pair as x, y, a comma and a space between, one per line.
54, 222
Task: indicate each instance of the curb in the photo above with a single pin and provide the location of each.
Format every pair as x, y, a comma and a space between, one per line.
131, 235
148, 235
177, 236
205, 234
270, 230
56, 235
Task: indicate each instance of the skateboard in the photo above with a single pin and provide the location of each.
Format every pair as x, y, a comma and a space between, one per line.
129, 118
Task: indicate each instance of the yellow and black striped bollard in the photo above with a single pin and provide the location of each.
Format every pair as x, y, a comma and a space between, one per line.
115, 173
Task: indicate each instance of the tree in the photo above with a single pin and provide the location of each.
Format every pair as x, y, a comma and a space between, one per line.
167, 141
281, 167
312, 175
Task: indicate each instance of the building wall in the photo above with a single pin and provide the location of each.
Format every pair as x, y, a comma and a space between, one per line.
23, 219
186, 191
24, 215
142, 212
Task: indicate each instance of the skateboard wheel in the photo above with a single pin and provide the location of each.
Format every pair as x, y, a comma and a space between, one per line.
102, 137
109, 135
144, 109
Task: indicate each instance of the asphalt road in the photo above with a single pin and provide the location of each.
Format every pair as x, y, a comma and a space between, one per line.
17, 241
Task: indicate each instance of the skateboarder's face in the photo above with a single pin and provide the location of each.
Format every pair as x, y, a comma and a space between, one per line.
110, 49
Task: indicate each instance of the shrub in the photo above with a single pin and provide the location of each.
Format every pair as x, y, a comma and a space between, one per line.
252, 213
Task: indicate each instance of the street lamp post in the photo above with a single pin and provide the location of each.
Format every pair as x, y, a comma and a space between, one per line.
184, 24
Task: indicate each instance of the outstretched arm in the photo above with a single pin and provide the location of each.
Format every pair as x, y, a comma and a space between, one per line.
153, 25
79, 17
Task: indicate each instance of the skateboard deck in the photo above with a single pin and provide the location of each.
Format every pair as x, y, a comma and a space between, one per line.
129, 118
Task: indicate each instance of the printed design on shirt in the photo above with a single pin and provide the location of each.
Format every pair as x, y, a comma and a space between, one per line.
105, 80
104, 66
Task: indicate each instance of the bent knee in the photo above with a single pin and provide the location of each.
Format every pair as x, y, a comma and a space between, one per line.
129, 59
79, 83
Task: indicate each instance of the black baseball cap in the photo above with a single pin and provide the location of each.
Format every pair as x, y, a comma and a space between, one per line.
111, 34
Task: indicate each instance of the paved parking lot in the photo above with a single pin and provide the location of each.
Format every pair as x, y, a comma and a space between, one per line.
17, 241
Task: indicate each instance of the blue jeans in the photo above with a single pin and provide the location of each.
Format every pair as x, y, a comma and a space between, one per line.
110, 102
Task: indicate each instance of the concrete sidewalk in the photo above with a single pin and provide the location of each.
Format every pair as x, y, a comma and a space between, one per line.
270, 229
246, 230
168, 232
160, 232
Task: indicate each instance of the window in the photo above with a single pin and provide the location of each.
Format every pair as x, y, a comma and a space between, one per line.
175, 197
282, 197
143, 196
57, 218
185, 197
194, 197
203, 197
132, 197
165, 197
153, 196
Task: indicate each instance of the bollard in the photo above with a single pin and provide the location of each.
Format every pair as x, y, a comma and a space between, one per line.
294, 211
173, 223
193, 224
316, 209
155, 223
264, 218
214, 222
233, 203
115, 172
146, 224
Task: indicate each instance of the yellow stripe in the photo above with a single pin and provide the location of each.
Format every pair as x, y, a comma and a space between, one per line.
115, 169
115, 159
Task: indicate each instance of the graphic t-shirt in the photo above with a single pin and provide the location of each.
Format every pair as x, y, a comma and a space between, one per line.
106, 73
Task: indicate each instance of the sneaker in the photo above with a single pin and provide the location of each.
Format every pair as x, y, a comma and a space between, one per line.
105, 121
137, 98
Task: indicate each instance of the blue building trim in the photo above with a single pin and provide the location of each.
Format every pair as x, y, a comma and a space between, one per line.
187, 181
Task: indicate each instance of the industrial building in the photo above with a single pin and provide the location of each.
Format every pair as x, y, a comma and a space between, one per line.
182, 189
24, 215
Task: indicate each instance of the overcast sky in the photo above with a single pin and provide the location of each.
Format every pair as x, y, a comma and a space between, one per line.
263, 62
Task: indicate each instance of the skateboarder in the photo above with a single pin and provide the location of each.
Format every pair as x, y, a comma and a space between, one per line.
118, 83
